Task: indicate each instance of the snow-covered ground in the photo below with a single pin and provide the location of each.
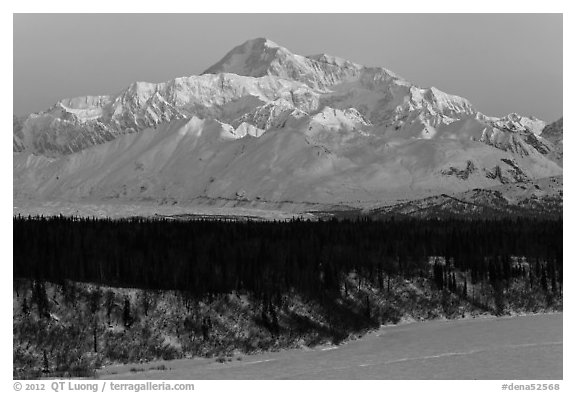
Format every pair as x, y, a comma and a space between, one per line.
115, 209
519, 347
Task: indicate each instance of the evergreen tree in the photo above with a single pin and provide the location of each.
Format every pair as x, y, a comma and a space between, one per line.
543, 280
126, 313
25, 308
40, 297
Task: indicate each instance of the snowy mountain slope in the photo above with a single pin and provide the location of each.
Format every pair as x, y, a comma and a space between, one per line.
18, 136
261, 72
75, 124
384, 98
553, 133
266, 126
539, 198
274, 114
307, 161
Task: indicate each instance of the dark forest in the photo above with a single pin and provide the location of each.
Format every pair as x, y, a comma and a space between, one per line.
90, 292
211, 257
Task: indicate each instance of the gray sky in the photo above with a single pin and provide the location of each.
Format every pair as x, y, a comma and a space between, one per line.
501, 62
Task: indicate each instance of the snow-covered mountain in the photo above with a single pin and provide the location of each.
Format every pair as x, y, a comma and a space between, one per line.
553, 133
261, 57
72, 125
266, 126
536, 198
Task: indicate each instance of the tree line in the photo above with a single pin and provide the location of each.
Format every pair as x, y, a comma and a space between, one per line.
271, 258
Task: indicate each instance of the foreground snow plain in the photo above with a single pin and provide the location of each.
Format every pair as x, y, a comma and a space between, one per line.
517, 347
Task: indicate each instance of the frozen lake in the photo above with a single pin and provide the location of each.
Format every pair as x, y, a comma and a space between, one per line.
521, 347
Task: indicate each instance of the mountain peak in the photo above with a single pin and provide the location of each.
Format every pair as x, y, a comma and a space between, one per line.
261, 57
262, 41
257, 44
252, 58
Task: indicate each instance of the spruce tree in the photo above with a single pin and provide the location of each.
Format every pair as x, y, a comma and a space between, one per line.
126, 313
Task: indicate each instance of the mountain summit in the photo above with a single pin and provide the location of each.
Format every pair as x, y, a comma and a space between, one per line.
266, 126
260, 57
252, 58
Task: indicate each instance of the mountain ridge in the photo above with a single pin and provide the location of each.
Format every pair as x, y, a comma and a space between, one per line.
316, 129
